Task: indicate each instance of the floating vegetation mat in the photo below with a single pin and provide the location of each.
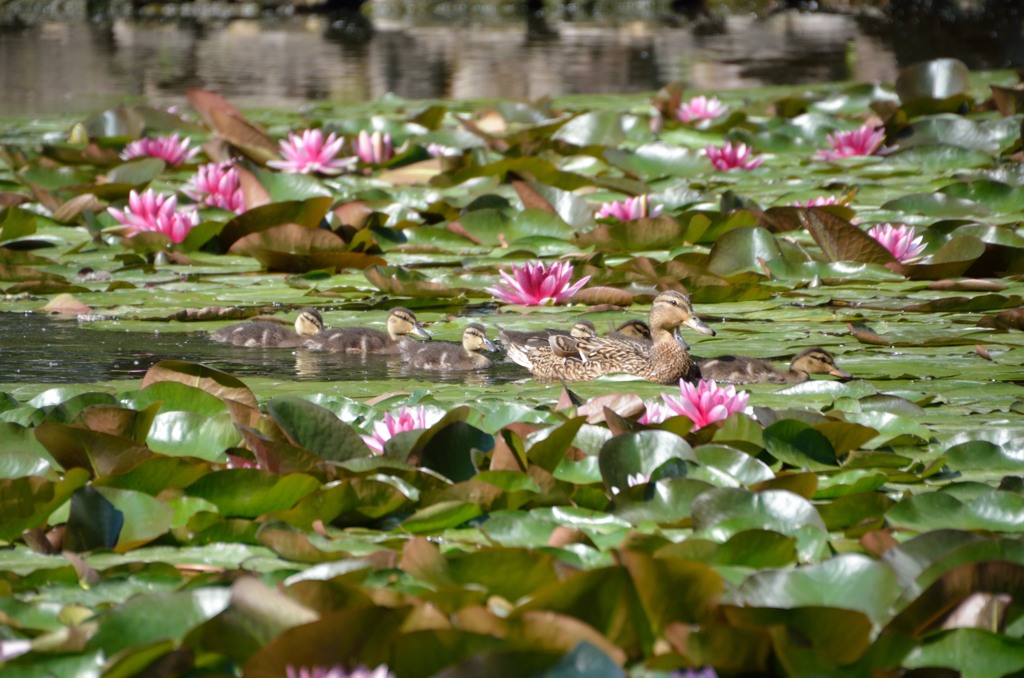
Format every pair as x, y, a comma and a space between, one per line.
185, 521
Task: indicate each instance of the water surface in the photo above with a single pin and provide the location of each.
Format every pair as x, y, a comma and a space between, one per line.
79, 67
41, 349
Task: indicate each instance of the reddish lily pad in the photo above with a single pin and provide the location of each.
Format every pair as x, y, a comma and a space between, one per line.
308, 213
296, 249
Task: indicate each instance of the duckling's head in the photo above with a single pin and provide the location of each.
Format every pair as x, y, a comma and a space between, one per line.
673, 309
474, 338
818, 361
402, 321
634, 329
308, 322
583, 329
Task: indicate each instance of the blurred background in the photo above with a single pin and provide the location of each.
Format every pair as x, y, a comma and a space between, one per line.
78, 56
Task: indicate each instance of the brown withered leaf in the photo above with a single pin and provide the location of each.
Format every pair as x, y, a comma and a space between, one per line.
487, 126
295, 249
66, 303
878, 542
307, 213
1008, 100
530, 197
254, 193
119, 421
43, 196
246, 137
967, 285
414, 174
355, 213
8, 199
1012, 319
204, 102
866, 335
645, 234
227, 120
840, 240
212, 313
787, 218
668, 99
606, 296
71, 210
215, 382
458, 229
567, 399
503, 457
404, 283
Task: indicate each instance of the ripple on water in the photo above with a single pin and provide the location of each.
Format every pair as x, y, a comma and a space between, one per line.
56, 350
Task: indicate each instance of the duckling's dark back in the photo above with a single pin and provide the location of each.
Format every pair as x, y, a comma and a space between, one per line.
445, 356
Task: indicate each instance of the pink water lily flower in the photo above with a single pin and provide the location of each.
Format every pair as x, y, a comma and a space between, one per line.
901, 241
706, 672
157, 212
863, 141
819, 201
732, 156
217, 184
707, 402
628, 209
538, 284
700, 108
309, 152
437, 150
170, 149
381, 671
407, 419
374, 149
654, 413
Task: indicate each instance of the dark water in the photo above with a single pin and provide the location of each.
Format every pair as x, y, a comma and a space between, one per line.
78, 67
45, 349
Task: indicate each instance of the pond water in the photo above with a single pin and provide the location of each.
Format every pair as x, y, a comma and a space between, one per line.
76, 67
36, 348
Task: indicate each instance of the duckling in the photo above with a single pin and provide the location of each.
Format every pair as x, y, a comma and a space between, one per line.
444, 356
565, 347
580, 329
637, 330
664, 361
737, 369
401, 323
269, 333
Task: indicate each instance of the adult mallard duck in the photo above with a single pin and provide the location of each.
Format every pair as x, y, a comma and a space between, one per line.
269, 333
401, 323
445, 356
738, 369
665, 360
580, 329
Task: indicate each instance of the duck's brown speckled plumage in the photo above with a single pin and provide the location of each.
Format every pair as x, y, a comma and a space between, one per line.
271, 334
738, 369
451, 356
665, 360
401, 324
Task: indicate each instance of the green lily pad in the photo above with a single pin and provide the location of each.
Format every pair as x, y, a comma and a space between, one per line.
250, 492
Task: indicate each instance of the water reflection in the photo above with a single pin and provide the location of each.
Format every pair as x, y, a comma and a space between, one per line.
64, 351
79, 67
